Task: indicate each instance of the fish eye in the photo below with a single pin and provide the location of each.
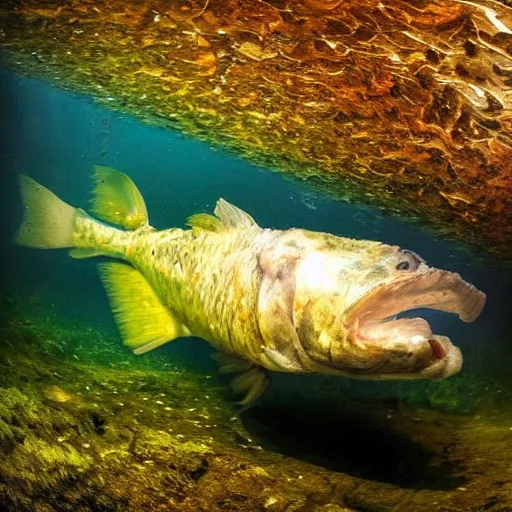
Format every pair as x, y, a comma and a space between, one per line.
411, 261
403, 265
413, 255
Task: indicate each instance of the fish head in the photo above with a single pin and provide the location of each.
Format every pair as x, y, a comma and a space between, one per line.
348, 295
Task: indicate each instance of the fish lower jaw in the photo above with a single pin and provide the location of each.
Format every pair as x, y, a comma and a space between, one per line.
419, 354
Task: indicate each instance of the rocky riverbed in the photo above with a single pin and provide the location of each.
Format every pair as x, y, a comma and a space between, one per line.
86, 426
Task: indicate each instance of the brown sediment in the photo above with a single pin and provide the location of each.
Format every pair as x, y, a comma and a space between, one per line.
403, 104
145, 434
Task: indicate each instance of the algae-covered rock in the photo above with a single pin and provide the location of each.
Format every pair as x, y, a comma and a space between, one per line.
78, 435
38, 465
376, 497
405, 104
16, 411
158, 447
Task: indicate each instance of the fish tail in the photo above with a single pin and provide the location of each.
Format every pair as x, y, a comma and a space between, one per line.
48, 221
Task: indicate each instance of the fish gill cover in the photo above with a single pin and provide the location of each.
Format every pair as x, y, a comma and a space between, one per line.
404, 104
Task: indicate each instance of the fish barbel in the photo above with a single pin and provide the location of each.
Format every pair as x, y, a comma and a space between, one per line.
268, 300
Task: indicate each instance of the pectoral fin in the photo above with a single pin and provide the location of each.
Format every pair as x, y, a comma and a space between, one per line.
251, 380
144, 322
275, 312
253, 383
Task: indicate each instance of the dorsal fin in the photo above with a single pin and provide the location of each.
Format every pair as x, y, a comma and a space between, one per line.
205, 222
233, 217
116, 199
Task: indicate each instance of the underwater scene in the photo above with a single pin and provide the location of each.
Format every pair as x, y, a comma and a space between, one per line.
256, 255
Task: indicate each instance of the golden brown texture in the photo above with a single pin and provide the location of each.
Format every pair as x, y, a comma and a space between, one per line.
405, 104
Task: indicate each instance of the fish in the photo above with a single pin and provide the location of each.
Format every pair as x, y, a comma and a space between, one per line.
292, 301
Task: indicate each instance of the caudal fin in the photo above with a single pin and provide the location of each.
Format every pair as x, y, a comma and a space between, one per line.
48, 221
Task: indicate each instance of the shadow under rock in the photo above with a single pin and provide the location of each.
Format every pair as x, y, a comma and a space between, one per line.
354, 440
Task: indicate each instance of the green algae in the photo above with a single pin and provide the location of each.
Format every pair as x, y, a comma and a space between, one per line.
36, 465
89, 434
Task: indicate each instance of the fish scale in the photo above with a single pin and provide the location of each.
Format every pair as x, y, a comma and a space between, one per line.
218, 306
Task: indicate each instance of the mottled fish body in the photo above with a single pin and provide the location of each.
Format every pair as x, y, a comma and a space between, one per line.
290, 301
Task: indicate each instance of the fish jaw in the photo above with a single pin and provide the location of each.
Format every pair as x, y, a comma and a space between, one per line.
407, 346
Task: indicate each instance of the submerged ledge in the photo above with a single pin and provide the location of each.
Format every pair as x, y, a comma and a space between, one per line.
85, 425
404, 105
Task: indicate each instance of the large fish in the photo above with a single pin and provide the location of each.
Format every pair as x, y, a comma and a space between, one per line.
284, 301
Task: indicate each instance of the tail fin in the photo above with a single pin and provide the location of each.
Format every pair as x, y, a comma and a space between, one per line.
48, 221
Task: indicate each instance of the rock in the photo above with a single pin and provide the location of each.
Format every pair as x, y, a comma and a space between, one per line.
395, 115
331, 507
255, 471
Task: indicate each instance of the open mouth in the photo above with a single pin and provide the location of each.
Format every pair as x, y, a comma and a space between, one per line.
375, 317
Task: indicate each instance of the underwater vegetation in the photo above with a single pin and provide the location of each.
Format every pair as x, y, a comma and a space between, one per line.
404, 104
85, 427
